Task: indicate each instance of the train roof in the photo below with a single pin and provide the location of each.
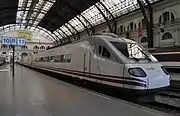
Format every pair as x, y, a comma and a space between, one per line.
113, 37
105, 36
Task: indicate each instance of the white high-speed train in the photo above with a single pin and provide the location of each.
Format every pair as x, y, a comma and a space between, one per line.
105, 59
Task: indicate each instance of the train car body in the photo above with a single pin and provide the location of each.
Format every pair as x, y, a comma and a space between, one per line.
107, 60
169, 57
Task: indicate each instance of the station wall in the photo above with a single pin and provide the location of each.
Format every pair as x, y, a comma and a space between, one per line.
166, 20
37, 43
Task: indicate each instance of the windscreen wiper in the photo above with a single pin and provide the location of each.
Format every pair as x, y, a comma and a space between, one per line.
149, 59
135, 59
146, 55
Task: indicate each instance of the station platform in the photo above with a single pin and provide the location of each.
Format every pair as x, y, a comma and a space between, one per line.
31, 93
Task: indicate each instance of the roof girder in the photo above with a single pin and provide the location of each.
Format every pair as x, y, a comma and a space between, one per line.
78, 12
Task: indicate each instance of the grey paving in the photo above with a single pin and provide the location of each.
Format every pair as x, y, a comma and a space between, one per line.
33, 94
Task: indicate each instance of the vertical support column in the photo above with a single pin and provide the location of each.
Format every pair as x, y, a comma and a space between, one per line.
150, 27
13, 61
149, 22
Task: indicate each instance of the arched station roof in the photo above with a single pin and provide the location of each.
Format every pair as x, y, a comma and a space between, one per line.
61, 19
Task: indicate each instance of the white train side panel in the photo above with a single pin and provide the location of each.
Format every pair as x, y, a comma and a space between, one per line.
116, 70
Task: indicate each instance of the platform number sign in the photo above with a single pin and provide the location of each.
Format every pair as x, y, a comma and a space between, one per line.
6, 40
21, 41
13, 41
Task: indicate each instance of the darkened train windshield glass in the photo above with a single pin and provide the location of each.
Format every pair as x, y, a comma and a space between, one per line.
130, 50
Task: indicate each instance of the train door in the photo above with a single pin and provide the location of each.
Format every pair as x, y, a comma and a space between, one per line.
87, 60
107, 64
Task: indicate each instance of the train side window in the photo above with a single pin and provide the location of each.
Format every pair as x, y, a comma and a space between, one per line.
57, 58
99, 49
105, 53
41, 59
61, 58
51, 58
69, 58
46, 59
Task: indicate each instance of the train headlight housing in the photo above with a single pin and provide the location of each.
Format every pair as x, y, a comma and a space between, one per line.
164, 70
137, 72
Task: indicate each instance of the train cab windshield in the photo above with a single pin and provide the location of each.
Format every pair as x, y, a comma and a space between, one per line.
133, 51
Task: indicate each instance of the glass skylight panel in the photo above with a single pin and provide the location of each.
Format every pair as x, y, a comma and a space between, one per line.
56, 33
22, 26
54, 36
76, 24
41, 31
41, 2
83, 20
29, 4
36, 29
24, 16
92, 15
29, 28
69, 28
24, 21
64, 29
5, 26
32, 28
116, 7
34, 14
11, 27
36, 22
61, 33
40, 16
20, 4
30, 21
47, 6
39, 11
18, 26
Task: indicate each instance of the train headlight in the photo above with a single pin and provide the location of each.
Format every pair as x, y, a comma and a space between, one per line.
137, 72
164, 70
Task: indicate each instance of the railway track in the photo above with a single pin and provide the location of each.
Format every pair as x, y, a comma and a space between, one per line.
175, 84
170, 109
167, 101
169, 94
174, 89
